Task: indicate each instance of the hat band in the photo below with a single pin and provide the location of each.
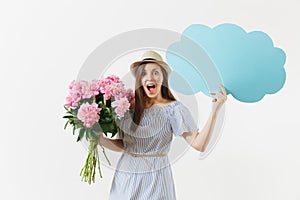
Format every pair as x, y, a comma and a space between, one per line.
149, 59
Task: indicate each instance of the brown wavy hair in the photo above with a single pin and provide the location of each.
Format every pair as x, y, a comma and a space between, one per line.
141, 97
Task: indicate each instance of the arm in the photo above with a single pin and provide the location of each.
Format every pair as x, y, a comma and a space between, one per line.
114, 145
199, 140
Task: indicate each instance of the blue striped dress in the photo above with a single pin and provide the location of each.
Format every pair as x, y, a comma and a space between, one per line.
149, 177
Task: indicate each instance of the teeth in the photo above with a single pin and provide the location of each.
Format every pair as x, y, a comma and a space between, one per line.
150, 84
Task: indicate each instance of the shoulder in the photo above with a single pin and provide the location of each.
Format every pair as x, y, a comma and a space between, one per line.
172, 105
175, 102
180, 109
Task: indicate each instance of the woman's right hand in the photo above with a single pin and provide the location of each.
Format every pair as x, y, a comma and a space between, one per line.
100, 133
115, 145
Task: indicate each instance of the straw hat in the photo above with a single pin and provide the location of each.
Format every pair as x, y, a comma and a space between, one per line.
153, 57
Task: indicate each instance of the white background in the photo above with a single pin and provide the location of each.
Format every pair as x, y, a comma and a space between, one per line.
43, 45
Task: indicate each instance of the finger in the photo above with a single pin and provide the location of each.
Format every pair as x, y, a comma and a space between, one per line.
221, 95
223, 89
216, 97
215, 93
219, 98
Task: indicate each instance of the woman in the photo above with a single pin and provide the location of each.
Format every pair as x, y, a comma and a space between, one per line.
143, 171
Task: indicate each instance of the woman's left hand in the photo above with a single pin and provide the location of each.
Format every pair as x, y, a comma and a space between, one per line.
219, 98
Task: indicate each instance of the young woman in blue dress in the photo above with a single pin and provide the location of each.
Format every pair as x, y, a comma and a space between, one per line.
153, 98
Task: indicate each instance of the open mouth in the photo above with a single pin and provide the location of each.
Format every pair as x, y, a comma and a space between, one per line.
151, 87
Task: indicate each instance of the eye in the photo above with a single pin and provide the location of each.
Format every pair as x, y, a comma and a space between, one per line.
156, 72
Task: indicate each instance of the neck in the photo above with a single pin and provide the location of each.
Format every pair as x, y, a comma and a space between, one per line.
155, 100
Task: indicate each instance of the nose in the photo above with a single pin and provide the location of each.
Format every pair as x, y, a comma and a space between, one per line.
149, 77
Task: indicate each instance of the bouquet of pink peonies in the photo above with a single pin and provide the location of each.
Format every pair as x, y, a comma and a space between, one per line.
96, 107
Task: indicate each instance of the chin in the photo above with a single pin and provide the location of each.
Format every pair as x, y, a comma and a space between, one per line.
152, 96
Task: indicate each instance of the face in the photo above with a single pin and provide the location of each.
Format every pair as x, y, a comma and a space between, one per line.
152, 78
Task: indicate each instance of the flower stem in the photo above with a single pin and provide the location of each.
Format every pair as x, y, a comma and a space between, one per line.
103, 150
89, 169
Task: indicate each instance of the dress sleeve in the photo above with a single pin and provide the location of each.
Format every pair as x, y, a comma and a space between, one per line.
181, 120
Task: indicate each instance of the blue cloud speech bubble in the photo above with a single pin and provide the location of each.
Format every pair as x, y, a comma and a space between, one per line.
248, 63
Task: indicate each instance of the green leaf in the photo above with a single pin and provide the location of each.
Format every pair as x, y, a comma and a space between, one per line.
68, 116
66, 125
74, 128
108, 127
73, 112
95, 134
88, 134
66, 108
81, 134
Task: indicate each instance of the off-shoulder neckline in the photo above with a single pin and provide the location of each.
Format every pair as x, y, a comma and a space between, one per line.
164, 106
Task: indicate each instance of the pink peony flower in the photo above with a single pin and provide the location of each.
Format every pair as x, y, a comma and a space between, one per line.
81, 90
74, 95
119, 90
88, 114
111, 86
84, 88
108, 80
121, 106
94, 88
113, 78
72, 100
130, 94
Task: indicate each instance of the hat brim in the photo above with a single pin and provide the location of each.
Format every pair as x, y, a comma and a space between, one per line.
134, 66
